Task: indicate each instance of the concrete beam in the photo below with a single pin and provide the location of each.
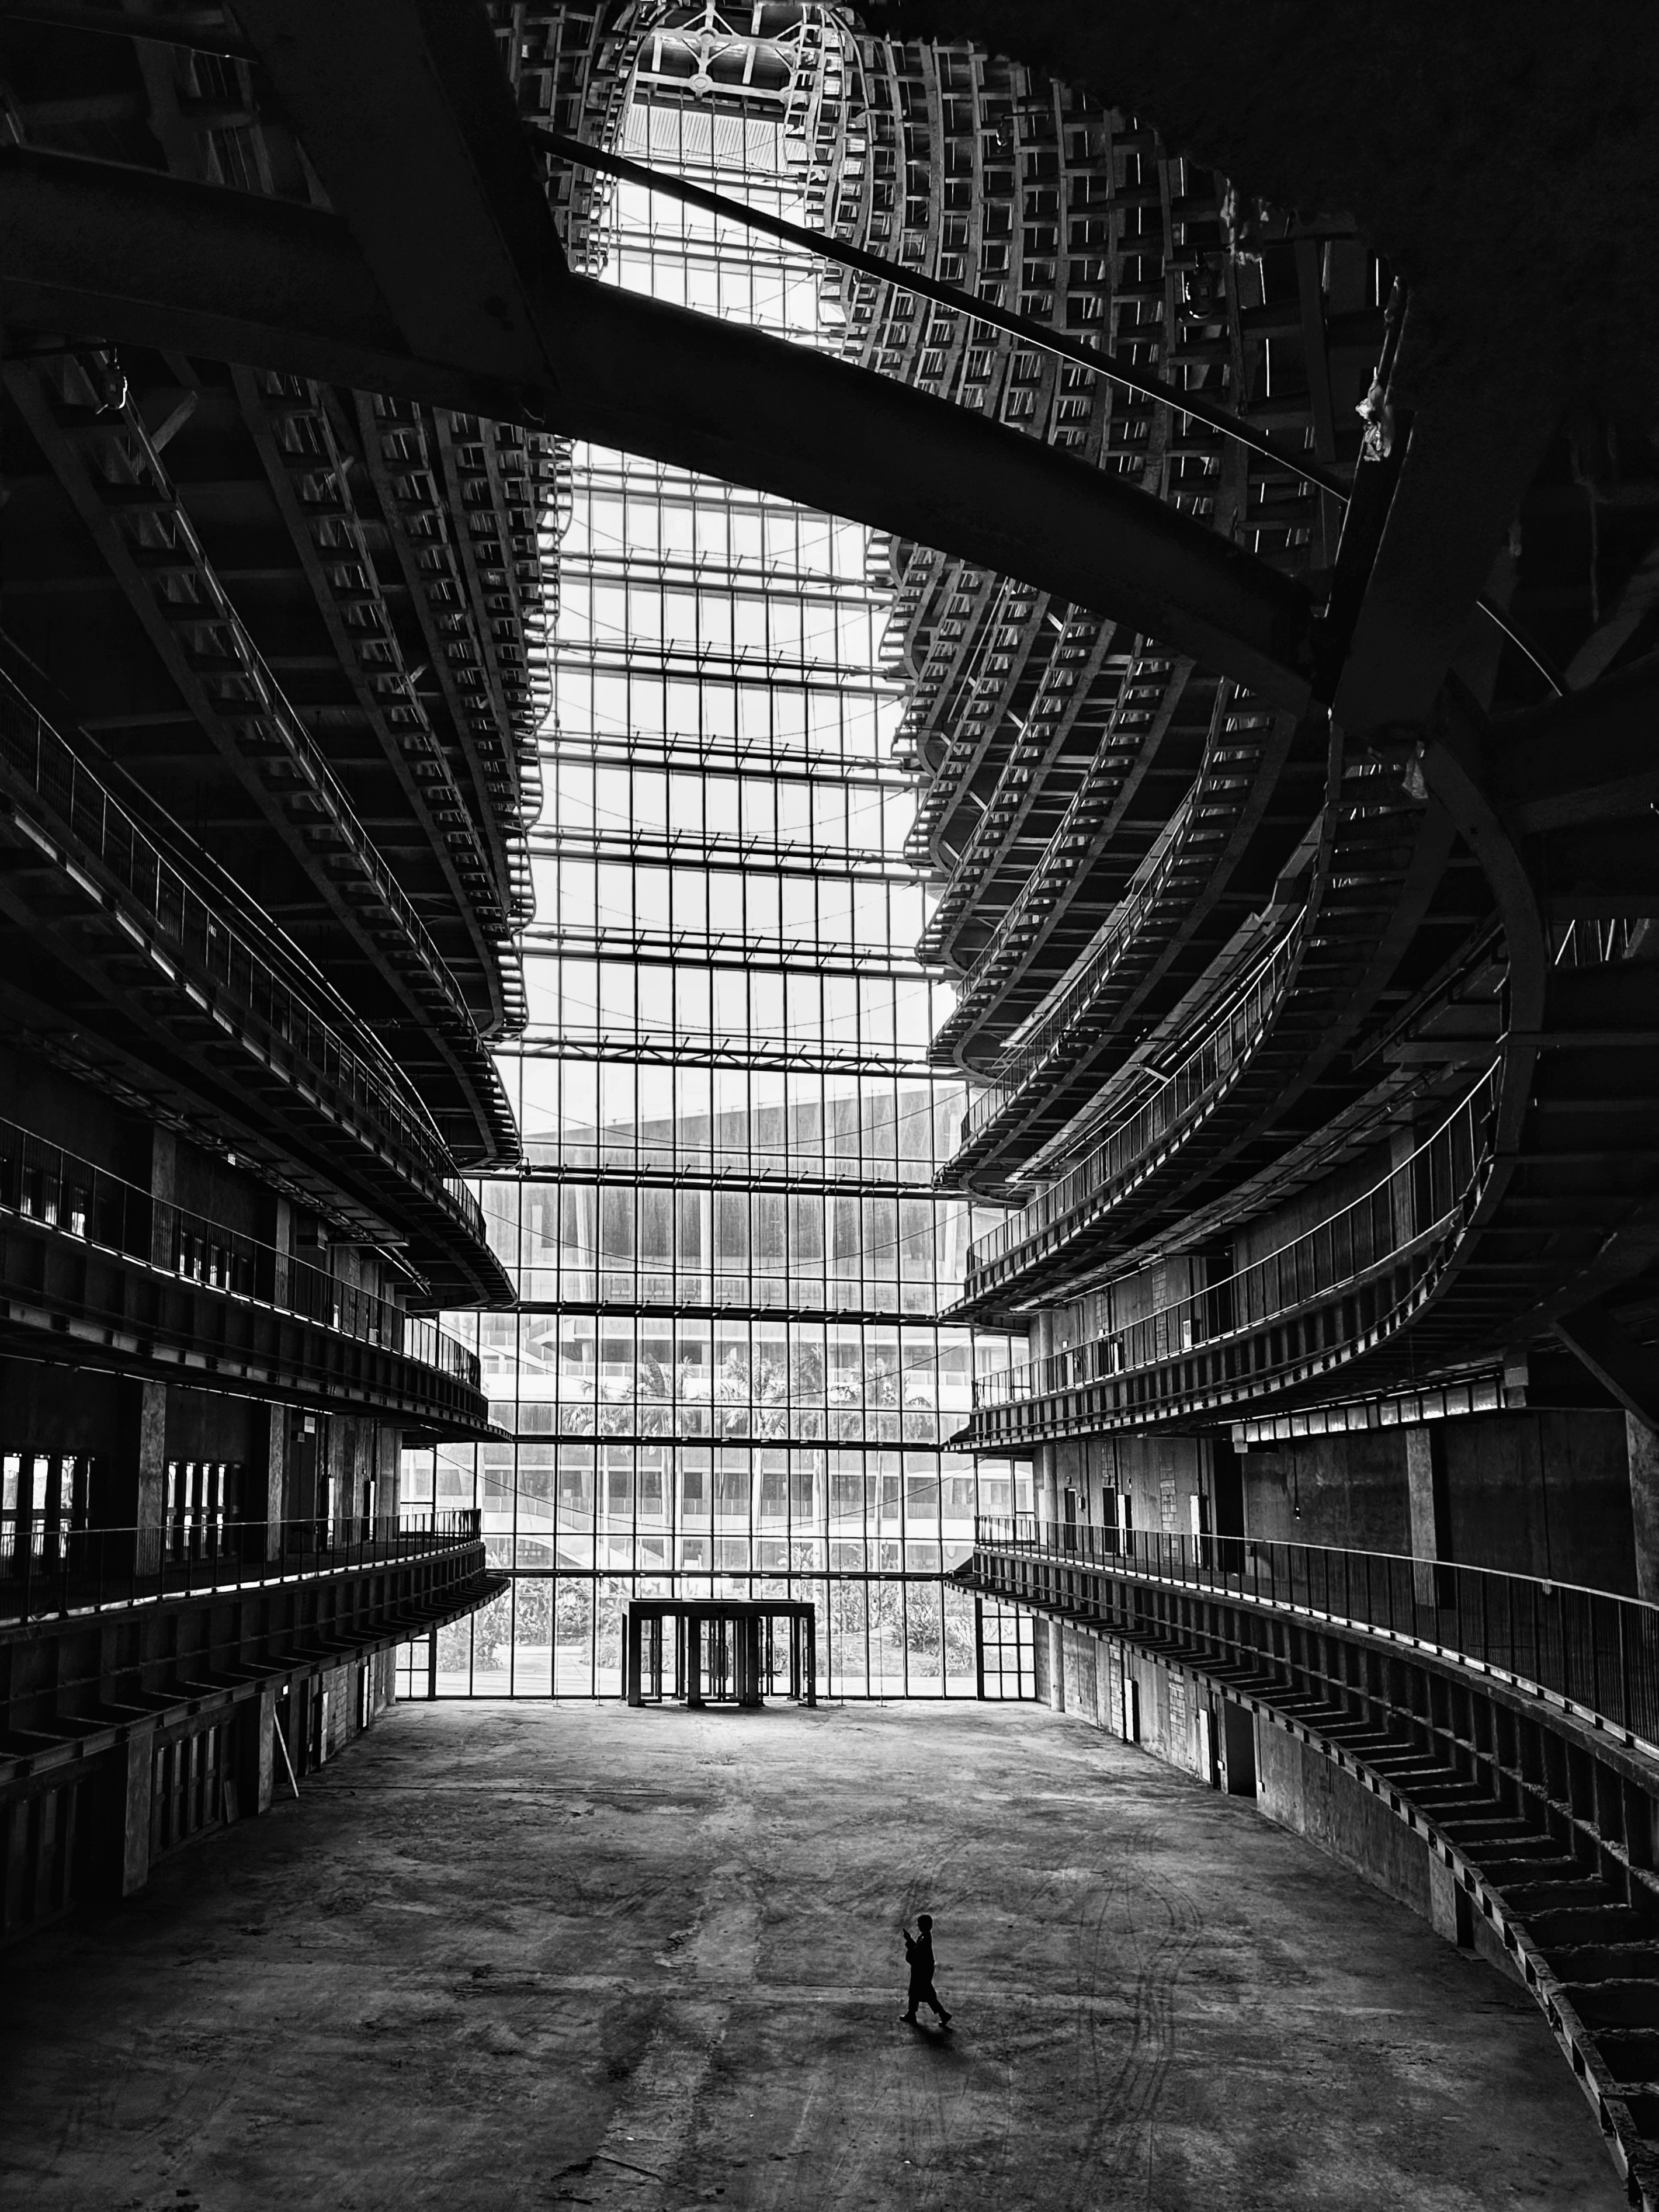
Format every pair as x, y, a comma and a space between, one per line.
1425, 1493
1622, 1365
1467, 466
405, 112
127, 255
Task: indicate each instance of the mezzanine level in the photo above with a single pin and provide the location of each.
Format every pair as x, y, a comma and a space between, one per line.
153, 1687
172, 995
94, 1268
1308, 1309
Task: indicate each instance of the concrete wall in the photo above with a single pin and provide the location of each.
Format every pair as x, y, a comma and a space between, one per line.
83, 1120
1160, 1475
1348, 1491
1310, 1207
203, 1184
1542, 1493
208, 1425
1303, 1790
1175, 1716
1128, 1299
54, 1409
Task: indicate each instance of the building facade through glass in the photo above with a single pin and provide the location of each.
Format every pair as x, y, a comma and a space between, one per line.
724, 1375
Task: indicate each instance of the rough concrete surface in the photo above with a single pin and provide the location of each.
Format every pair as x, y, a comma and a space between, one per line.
524, 1956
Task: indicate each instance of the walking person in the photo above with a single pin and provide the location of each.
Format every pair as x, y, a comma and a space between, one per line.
919, 1950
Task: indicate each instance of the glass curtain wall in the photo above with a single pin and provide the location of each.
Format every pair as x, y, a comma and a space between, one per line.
724, 1375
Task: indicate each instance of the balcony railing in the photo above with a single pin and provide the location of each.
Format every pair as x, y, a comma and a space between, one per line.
243, 685
1233, 1033
1068, 846
209, 947
1186, 852
1025, 1058
1402, 1221
47, 1571
1594, 1651
41, 1182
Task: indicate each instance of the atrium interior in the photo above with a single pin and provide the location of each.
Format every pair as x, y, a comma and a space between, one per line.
829, 867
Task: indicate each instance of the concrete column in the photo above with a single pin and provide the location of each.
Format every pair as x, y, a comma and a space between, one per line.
256, 1753
163, 1182
138, 1494
340, 1460
274, 1504
1047, 1471
1401, 1146
1056, 1666
283, 1238
1425, 1492
135, 1788
1642, 1446
1451, 1913
389, 1446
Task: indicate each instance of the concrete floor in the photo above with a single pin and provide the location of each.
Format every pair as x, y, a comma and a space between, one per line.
525, 1956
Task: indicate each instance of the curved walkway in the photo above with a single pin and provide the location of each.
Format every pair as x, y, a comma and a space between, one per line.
518, 1956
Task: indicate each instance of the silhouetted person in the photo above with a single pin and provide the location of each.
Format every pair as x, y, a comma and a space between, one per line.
919, 1950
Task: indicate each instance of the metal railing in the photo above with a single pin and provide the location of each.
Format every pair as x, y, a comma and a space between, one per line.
193, 591
47, 1571
211, 948
1232, 1034
1184, 843
1021, 1061
1018, 782
1595, 1650
1404, 1216
1068, 846
41, 1182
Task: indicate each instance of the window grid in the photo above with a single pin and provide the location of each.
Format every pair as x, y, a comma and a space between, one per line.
725, 1374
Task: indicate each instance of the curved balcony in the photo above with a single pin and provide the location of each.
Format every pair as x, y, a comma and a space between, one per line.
1042, 1050
1589, 1651
119, 482
1311, 1307
138, 1283
1006, 624
47, 1573
203, 967
130, 1652
1179, 865
1487, 1742
1046, 1075
1181, 1100
319, 501
1048, 758
1264, 1035
1147, 758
